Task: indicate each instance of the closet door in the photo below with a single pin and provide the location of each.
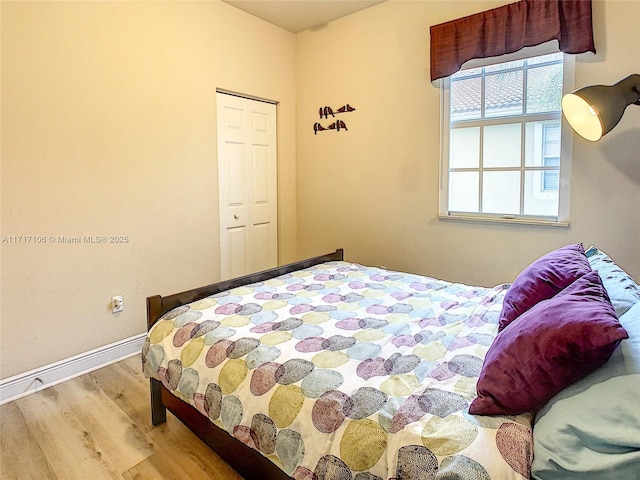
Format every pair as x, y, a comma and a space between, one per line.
247, 185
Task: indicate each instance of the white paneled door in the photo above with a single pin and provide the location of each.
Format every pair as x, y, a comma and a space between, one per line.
247, 185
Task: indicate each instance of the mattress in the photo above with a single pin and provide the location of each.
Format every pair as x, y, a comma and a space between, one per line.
343, 371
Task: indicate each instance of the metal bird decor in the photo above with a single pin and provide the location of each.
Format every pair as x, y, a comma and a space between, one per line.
338, 124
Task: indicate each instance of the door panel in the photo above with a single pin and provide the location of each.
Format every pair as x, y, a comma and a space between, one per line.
237, 240
261, 238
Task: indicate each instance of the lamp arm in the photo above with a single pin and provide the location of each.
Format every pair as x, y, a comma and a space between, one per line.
630, 88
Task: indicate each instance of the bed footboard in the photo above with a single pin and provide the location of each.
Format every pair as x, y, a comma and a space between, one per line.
246, 461
157, 305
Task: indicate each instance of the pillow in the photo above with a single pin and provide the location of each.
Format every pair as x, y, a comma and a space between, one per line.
590, 429
547, 348
622, 289
542, 280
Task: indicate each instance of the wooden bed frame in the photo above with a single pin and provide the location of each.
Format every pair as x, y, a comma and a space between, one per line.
248, 462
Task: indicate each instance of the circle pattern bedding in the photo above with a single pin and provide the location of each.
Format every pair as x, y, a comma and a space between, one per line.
342, 371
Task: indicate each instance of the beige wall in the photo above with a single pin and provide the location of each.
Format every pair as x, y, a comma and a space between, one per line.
108, 128
374, 189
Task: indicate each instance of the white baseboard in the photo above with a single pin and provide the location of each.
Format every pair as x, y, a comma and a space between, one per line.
23, 384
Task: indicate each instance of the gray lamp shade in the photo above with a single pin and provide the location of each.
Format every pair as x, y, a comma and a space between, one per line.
593, 111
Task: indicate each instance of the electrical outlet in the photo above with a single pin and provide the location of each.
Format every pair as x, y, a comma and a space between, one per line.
117, 304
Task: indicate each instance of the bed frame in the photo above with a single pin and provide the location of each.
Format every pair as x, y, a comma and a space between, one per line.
249, 463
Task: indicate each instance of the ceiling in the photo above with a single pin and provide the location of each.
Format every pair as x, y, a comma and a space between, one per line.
299, 15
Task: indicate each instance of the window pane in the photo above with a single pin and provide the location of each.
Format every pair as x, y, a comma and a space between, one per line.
544, 88
465, 99
501, 192
464, 150
503, 94
537, 200
542, 148
463, 191
502, 145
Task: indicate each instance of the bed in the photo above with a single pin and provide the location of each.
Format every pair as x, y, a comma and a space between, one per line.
329, 370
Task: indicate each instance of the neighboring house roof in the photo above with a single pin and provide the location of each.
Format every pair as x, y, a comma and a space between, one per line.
502, 91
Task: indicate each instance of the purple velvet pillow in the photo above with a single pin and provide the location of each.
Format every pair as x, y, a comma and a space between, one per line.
541, 280
547, 348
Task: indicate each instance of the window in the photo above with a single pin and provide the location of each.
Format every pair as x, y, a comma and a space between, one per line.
505, 154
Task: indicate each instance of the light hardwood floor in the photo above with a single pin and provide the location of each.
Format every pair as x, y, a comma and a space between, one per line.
98, 426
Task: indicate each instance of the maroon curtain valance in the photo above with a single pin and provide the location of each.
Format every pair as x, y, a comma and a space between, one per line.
509, 28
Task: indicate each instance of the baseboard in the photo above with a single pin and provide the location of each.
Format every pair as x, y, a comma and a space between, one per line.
23, 384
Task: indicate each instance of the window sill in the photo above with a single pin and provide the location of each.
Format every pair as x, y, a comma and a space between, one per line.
505, 219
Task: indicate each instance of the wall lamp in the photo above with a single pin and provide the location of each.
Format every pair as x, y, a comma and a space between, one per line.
593, 111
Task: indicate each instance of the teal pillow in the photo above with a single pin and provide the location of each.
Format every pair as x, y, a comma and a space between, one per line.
592, 428
622, 289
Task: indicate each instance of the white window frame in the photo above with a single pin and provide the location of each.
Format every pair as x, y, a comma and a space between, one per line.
566, 137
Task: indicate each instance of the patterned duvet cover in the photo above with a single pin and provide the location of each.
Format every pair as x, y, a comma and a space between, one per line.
346, 372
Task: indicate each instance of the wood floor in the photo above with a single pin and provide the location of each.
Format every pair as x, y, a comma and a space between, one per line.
98, 426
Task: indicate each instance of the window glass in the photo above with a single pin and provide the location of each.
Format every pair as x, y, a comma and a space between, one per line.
464, 191
502, 145
537, 201
544, 88
501, 192
503, 94
542, 144
465, 99
465, 147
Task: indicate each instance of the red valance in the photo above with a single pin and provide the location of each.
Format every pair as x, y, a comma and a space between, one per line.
509, 28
